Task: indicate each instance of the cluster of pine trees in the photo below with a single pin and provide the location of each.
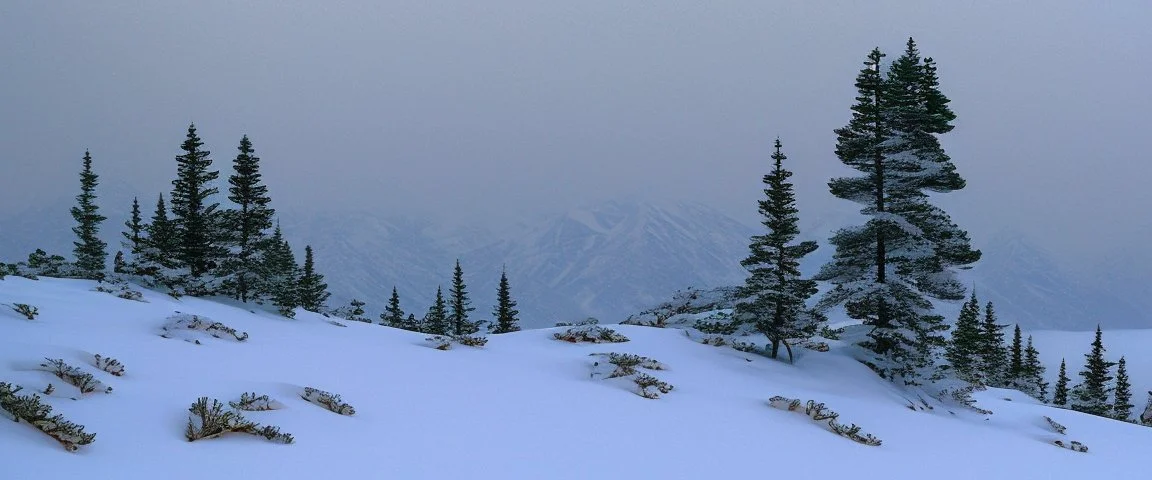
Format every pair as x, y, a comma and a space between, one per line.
451, 316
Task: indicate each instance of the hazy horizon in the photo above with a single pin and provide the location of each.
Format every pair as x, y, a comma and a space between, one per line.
482, 112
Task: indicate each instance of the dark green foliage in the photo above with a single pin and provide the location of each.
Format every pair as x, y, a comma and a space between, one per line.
1015, 369
91, 252
74, 376
994, 360
908, 249
313, 292
157, 258
965, 350
109, 364
393, 315
134, 235
248, 223
773, 298
505, 311
460, 305
1060, 395
1031, 378
436, 320
211, 420
280, 275
1122, 406
353, 311
1091, 395
195, 218
41, 264
28, 408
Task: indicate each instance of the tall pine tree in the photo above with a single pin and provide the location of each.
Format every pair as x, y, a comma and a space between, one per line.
1031, 378
436, 321
1091, 395
280, 275
1122, 406
195, 217
993, 358
248, 223
1015, 369
393, 315
133, 237
461, 306
505, 311
91, 252
885, 270
157, 259
1060, 394
965, 350
773, 299
313, 292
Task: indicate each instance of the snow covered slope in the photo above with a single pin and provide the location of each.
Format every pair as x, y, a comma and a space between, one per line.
524, 406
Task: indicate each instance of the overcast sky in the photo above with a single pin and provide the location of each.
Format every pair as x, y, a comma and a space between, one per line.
467, 109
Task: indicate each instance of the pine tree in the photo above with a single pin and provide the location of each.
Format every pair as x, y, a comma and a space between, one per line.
133, 237
1091, 395
773, 299
158, 254
1016, 358
280, 275
1031, 378
91, 252
313, 292
1122, 406
248, 223
505, 311
1060, 395
460, 305
436, 321
966, 348
196, 220
993, 357
884, 270
393, 315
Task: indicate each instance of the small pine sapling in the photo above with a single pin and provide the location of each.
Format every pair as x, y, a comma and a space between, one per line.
471, 340
110, 365
49, 389
29, 409
255, 403
330, 401
211, 420
74, 376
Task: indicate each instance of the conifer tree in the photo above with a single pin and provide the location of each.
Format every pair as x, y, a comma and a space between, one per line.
195, 218
458, 316
1122, 406
1060, 395
133, 237
994, 358
505, 311
248, 223
280, 275
1031, 378
313, 292
436, 321
393, 315
884, 270
1016, 358
773, 299
90, 251
965, 350
158, 254
1091, 395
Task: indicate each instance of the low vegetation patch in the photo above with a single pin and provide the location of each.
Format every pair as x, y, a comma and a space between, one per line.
27, 311
825, 418
120, 289
591, 333
627, 365
444, 342
1072, 445
178, 325
110, 365
74, 376
210, 420
29, 409
252, 402
1056, 427
330, 401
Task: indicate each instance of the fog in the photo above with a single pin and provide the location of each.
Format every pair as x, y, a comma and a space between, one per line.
484, 111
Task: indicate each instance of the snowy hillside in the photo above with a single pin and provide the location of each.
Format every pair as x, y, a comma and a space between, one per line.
524, 406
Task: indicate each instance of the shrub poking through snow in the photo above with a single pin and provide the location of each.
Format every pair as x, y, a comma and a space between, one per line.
1146, 417
330, 401
120, 289
183, 322
29, 409
627, 365
645, 381
817, 346
825, 418
439, 342
831, 333
74, 376
746, 347
28, 311
110, 365
1073, 445
255, 403
444, 342
471, 340
592, 333
49, 389
714, 340
210, 420
1056, 427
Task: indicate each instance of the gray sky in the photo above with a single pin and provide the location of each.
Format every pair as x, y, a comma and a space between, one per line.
468, 109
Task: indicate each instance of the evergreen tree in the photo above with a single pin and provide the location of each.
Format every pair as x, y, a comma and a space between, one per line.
1060, 395
1091, 395
196, 220
248, 223
133, 237
436, 321
505, 311
313, 292
1122, 406
966, 348
119, 265
157, 256
393, 315
884, 270
1031, 378
1016, 358
993, 356
280, 275
773, 299
460, 306
90, 251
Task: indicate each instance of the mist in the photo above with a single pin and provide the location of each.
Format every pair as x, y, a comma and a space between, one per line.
487, 111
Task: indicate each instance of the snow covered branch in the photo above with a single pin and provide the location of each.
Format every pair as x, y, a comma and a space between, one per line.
625, 365
28, 311
255, 403
590, 333
29, 409
183, 322
327, 400
444, 342
825, 418
74, 376
211, 420
110, 365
